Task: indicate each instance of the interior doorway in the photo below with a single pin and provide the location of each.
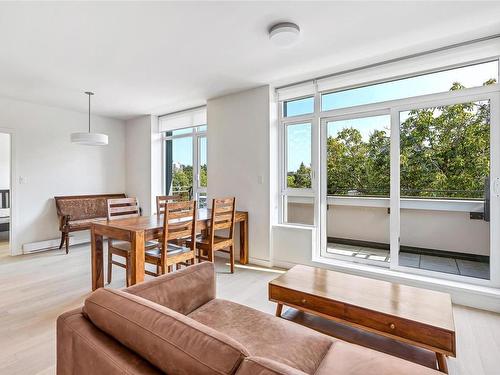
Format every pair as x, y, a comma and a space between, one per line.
5, 193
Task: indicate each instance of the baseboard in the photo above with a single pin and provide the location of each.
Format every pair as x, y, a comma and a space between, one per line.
35, 247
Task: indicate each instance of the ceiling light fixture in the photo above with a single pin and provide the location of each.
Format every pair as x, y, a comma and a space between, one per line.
284, 34
89, 139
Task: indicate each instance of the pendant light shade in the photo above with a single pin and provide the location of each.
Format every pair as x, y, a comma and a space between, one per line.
89, 139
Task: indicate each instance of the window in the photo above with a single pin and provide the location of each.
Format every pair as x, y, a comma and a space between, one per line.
358, 156
445, 154
452, 79
298, 107
298, 202
298, 155
407, 172
357, 166
185, 154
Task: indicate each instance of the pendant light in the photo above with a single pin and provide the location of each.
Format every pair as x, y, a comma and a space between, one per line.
89, 139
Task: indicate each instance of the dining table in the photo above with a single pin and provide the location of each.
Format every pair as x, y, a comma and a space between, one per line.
137, 231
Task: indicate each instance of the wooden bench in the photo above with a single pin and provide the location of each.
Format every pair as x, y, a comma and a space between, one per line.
78, 212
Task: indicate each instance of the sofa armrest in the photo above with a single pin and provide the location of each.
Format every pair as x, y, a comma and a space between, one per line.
84, 349
265, 366
183, 291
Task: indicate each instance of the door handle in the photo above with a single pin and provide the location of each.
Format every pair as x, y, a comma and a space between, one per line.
496, 186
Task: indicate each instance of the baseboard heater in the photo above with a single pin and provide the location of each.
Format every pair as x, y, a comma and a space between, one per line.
35, 247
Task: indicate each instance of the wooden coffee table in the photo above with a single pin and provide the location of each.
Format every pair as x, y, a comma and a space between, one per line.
415, 317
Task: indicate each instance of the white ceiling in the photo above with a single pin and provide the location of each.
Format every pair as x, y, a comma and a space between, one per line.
143, 58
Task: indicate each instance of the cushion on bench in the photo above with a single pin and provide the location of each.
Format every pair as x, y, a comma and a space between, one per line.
78, 212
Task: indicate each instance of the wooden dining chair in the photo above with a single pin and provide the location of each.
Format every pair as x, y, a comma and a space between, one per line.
179, 223
222, 218
161, 200
122, 208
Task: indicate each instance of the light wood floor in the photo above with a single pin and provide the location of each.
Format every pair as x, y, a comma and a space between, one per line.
35, 289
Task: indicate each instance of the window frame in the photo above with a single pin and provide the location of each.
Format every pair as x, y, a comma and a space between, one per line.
285, 191
378, 108
400, 77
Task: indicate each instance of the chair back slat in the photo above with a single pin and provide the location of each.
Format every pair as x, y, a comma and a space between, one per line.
161, 200
223, 216
123, 208
179, 223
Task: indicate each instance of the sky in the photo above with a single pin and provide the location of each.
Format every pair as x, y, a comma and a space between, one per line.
182, 148
299, 137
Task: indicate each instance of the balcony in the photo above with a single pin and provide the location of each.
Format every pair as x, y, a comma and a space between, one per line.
443, 235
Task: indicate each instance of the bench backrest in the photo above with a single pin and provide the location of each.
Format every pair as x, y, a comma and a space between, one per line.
81, 207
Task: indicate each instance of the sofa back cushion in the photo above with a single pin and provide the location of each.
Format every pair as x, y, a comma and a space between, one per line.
83, 207
171, 341
183, 291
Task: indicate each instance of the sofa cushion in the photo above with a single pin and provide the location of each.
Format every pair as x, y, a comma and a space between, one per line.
349, 359
171, 341
265, 366
265, 335
183, 291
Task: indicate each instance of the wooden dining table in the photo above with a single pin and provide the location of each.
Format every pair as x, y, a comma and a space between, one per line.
137, 230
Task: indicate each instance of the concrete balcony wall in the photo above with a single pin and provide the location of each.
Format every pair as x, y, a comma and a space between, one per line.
431, 229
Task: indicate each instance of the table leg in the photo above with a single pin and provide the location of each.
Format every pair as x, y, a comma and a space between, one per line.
279, 309
244, 241
97, 260
137, 257
442, 365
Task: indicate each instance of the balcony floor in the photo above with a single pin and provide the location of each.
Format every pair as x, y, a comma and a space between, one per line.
445, 264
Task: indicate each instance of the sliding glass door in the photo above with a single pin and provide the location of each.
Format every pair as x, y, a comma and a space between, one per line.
448, 206
356, 166
410, 187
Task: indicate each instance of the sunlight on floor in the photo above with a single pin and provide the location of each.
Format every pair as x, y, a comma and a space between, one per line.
257, 268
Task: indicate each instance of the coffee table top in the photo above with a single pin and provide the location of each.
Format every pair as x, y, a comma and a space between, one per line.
420, 305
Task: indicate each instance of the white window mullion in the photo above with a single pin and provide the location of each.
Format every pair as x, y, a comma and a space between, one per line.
394, 220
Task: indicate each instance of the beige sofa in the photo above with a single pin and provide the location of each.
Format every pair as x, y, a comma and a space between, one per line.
175, 325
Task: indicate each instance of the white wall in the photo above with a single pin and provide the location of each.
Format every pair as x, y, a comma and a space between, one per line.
51, 165
144, 161
4, 161
238, 160
138, 160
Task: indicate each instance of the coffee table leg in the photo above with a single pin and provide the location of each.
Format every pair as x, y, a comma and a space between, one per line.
442, 365
279, 309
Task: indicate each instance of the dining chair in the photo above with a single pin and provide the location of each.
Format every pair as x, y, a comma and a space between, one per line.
179, 223
161, 200
222, 219
122, 208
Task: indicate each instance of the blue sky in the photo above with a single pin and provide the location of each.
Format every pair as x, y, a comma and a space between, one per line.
182, 148
298, 138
